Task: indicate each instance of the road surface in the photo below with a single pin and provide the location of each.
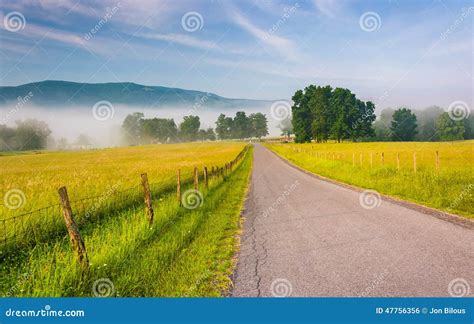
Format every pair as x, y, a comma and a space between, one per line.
303, 236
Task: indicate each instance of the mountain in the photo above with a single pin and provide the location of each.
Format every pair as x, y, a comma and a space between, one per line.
63, 93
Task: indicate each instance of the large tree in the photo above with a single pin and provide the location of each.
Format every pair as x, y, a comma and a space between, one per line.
31, 134
132, 128
241, 125
224, 127
449, 129
159, 130
259, 127
189, 128
404, 125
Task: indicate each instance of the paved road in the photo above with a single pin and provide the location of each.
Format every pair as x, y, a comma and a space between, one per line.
307, 237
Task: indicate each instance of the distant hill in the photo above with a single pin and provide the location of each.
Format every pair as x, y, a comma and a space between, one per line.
64, 93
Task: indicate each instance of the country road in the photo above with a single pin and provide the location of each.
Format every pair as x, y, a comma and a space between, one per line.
303, 236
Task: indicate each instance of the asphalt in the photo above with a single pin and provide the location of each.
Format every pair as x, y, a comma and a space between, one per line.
304, 236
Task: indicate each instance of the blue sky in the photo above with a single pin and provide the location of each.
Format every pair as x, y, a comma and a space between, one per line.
413, 53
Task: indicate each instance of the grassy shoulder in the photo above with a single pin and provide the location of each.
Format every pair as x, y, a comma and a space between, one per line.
374, 166
185, 252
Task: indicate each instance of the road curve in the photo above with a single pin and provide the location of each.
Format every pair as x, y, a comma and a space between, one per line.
307, 237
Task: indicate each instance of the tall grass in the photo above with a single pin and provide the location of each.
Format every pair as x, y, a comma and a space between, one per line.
451, 188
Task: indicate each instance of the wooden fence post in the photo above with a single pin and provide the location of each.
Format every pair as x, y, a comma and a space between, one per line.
74, 235
437, 162
147, 192
398, 161
383, 159
178, 186
196, 180
206, 181
414, 162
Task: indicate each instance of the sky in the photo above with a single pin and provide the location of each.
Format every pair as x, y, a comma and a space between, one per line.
393, 52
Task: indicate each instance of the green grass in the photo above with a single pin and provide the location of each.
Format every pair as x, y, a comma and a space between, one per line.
185, 252
450, 189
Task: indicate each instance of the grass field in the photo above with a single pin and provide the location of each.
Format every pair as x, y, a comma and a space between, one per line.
186, 252
450, 189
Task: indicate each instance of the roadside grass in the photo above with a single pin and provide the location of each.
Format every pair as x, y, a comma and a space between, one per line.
185, 252
451, 190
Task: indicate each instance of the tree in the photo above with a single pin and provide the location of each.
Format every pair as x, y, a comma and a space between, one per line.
210, 134
241, 126
286, 127
224, 127
321, 114
159, 130
7, 138
382, 125
258, 125
132, 127
426, 120
189, 128
62, 144
404, 125
449, 129
31, 134
301, 117
83, 141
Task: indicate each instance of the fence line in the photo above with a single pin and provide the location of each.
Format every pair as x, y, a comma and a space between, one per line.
46, 223
333, 156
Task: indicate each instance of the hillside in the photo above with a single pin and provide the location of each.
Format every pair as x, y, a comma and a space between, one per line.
64, 93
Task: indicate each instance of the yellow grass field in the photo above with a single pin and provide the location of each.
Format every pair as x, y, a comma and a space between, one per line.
450, 188
30, 181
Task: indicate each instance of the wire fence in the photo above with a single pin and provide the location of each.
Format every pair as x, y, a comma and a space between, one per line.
42, 225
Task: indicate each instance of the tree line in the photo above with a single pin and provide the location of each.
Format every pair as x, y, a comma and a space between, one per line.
323, 113
431, 124
140, 130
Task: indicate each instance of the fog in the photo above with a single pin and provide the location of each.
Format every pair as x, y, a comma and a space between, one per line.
103, 126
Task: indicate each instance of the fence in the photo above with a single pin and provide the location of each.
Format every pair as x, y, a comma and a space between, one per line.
358, 159
68, 216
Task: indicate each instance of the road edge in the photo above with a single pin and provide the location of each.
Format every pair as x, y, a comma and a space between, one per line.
445, 216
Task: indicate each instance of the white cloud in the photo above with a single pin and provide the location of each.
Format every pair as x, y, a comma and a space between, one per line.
280, 44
